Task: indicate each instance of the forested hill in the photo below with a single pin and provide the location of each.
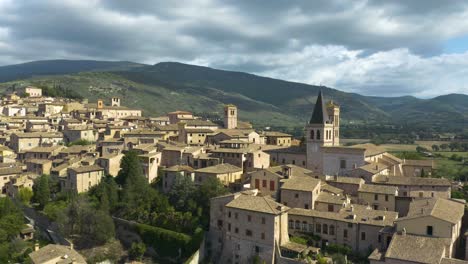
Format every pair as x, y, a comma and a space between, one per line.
168, 86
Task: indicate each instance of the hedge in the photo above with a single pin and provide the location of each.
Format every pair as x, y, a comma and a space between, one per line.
167, 243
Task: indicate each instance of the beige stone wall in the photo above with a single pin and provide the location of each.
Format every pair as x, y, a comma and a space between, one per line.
170, 158
262, 180
257, 160
21, 144
324, 207
298, 159
332, 162
111, 165
245, 236
4, 179
150, 166
333, 231
420, 191
417, 226
195, 138
225, 178
300, 199
384, 201
74, 135
82, 182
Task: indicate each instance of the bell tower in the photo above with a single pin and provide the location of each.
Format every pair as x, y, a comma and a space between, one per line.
230, 116
320, 132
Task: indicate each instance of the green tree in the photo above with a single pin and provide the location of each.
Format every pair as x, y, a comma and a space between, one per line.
444, 146
435, 147
93, 227
137, 251
25, 195
454, 146
41, 191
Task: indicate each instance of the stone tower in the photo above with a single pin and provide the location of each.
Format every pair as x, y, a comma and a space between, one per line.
230, 116
321, 131
115, 101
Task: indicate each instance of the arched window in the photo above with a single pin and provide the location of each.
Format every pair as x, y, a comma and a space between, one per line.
318, 134
312, 134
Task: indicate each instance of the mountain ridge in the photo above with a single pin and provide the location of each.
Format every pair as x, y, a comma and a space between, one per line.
166, 86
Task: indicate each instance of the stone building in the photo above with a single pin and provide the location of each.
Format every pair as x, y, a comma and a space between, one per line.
245, 226
226, 173
357, 226
81, 179
379, 197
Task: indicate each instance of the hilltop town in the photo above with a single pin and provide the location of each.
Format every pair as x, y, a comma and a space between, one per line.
262, 196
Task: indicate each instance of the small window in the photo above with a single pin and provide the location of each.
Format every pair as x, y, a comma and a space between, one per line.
263, 220
342, 164
263, 236
235, 215
429, 230
332, 230
264, 183
248, 232
345, 233
386, 197
296, 195
236, 230
363, 235
376, 197
272, 185
330, 208
306, 206
249, 218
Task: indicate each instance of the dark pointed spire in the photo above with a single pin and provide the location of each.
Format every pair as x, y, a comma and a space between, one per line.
319, 116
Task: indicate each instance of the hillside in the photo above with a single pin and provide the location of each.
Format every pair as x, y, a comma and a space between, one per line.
265, 101
56, 67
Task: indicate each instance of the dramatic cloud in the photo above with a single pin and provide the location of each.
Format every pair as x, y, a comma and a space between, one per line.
365, 46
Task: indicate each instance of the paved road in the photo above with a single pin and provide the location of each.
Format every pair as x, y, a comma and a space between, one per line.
43, 223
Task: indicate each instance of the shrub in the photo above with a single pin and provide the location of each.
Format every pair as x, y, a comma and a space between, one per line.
166, 242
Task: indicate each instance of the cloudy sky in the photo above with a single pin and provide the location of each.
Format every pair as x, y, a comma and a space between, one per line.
372, 47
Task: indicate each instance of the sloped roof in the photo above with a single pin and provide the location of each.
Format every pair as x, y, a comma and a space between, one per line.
444, 209
352, 214
305, 184
372, 188
220, 168
52, 252
417, 249
319, 116
259, 204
